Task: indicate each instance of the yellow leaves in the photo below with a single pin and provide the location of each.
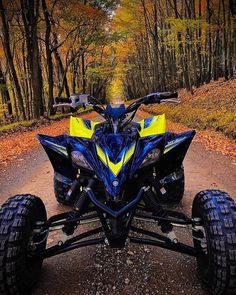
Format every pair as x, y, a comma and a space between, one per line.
116, 89
129, 18
2, 109
124, 49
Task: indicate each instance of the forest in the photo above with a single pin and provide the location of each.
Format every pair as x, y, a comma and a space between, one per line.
124, 49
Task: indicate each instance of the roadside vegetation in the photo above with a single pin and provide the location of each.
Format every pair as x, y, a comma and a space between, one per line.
211, 106
33, 124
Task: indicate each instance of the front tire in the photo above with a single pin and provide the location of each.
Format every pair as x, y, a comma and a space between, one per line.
19, 271
216, 241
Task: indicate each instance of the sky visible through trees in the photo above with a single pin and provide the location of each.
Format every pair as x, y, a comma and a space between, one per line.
110, 49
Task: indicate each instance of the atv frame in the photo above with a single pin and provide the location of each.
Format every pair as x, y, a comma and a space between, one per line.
139, 208
68, 221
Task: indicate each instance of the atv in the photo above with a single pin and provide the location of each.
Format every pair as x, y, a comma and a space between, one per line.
114, 172
172, 185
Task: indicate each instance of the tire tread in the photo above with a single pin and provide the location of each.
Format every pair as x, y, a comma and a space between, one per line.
219, 214
13, 217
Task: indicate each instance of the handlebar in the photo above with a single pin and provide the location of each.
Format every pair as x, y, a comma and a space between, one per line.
71, 102
62, 100
82, 100
166, 95
159, 96
76, 101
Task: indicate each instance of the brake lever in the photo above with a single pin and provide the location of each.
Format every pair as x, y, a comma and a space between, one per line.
170, 100
62, 105
73, 105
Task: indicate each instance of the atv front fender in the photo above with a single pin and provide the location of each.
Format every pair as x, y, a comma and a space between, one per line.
175, 150
56, 149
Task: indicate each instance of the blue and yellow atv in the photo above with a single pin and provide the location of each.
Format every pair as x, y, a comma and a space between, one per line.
169, 189
113, 173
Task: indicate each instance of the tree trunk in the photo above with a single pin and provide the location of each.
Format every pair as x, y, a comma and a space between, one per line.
4, 92
51, 110
30, 14
83, 73
64, 82
6, 44
225, 53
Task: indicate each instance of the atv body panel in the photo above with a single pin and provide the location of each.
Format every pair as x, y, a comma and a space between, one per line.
80, 127
116, 158
152, 126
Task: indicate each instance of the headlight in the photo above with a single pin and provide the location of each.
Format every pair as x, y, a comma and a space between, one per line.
151, 157
79, 160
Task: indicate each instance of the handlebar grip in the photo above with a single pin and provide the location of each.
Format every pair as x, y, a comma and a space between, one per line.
62, 100
165, 95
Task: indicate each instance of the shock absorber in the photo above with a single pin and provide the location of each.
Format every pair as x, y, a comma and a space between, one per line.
83, 200
155, 206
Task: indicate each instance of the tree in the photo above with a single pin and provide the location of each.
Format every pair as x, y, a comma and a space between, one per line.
30, 15
48, 50
175, 44
8, 52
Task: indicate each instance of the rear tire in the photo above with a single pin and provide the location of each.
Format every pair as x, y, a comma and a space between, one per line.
217, 264
18, 270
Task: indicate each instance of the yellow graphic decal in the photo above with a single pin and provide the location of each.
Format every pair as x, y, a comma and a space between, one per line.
78, 128
115, 168
155, 127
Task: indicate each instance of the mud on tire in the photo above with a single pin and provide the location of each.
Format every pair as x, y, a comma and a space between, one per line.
217, 264
18, 270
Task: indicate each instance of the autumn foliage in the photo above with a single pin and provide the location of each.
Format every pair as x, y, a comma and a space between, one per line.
174, 44
119, 49
52, 48
211, 106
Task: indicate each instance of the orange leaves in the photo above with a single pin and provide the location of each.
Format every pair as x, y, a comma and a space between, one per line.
17, 143
88, 11
124, 48
221, 93
77, 12
129, 18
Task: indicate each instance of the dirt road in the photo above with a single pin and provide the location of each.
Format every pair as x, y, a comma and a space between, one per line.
134, 270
